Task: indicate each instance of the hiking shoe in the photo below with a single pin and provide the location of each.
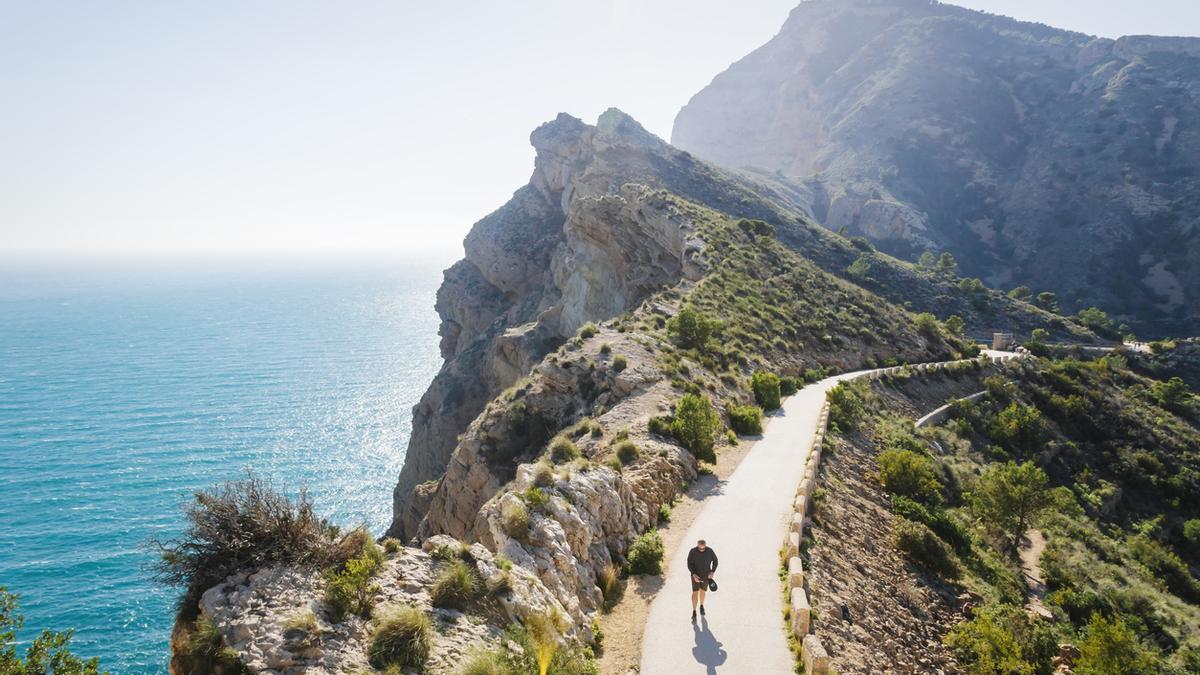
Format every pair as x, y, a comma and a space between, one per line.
701, 610
693, 616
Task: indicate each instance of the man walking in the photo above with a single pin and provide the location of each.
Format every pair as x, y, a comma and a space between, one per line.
702, 563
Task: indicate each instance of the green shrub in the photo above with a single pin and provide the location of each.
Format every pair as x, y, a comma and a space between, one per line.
971, 285
1018, 425
349, 590
909, 474
661, 426
202, 650
619, 363
605, 348
614, 464
1023, 293
1165, 565
766, 389
746, 419
588, 330
694, 425
935, 519
1171, 394
454, 587
1191, 535
789, 385
1111, 648
954, 324
923, 547
927, 324
401, 637
562, 450
535, 497
691, 328
860, 269
514, 520
664, 513
646, 554
847, 404
990, 643
392, 545
627, 452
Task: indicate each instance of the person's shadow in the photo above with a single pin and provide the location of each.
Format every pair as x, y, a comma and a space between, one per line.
707, 651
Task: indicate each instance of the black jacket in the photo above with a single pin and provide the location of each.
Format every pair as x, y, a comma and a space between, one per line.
702, 563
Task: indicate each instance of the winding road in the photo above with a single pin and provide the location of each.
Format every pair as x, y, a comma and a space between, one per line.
745, 523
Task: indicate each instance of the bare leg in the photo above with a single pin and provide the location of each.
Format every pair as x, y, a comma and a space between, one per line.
701, 592
695, 594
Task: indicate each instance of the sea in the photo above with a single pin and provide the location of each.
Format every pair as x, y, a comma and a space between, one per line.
128, 385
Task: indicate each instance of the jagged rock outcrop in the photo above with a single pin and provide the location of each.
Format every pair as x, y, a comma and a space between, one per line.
1037, 156
585, 240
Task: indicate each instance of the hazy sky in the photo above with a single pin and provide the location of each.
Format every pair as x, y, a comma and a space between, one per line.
293, 124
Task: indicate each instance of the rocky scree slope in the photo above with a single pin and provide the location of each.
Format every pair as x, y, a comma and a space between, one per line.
576, 245
1037, 156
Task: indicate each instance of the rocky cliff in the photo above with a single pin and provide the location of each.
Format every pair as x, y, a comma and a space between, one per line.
588, 239
1037, 156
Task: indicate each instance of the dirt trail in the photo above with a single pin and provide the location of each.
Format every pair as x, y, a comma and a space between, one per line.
1031, 568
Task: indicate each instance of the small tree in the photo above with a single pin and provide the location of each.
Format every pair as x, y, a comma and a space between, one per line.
694, 425
1021, 293
947, 264
691, 327
1096, 319
766, 389
926, 261
49, 652
954, 324
927, 324
1047, 301
971, 285
1009, 497
860, 268
1171, 394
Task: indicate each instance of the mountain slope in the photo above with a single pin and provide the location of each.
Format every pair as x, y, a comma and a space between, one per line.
580, 243
1037, 156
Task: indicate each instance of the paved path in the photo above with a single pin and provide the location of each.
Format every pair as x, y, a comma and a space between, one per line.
745, 523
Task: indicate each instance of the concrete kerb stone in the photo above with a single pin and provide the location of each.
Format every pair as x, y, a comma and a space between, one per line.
797, 525
801, 613
801, 505
816, 659
793, 544
795, 573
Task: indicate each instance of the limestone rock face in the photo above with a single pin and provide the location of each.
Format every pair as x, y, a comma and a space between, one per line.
584, 241
1037, 156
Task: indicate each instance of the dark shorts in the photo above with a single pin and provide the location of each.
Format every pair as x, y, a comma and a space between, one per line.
701, 585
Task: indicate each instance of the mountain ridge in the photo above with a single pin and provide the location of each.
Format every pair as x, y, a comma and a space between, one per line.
1037, 156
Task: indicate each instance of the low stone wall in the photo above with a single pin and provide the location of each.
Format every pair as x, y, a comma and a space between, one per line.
813, 654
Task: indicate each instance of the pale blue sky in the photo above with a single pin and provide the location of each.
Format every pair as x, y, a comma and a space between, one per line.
302, 125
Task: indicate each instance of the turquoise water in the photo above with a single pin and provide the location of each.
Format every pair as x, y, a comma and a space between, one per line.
126, 386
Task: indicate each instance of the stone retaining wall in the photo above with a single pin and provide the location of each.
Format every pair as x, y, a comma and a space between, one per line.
813, 654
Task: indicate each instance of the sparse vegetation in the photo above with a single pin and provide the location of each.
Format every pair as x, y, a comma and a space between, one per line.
619, 363
348, 587
909, 474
